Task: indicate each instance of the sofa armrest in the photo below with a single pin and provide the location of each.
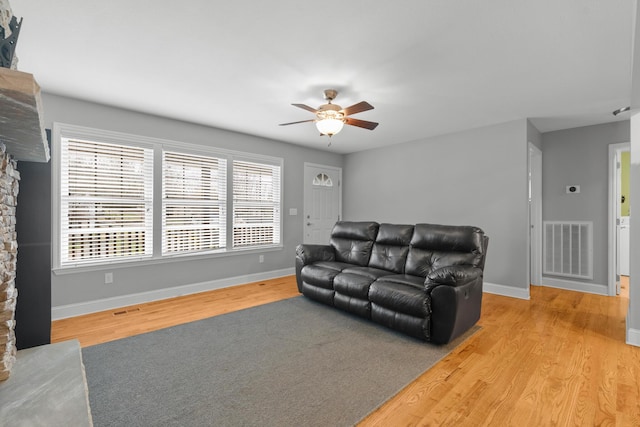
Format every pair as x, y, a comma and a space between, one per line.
455, 301
452, 275
308, 254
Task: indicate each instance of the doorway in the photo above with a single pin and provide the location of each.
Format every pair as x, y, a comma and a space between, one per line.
322, 202
619, 163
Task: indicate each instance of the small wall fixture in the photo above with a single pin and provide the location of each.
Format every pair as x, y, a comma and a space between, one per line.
621, 110
573, 189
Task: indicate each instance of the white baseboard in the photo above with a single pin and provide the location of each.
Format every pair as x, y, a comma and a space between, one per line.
633, 337
507, 291
78, 309
571, 285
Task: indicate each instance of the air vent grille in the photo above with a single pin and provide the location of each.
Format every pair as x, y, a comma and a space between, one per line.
568, 249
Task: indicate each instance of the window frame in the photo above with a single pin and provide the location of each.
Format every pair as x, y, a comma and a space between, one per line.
91, 190
195, 203
62, 130
231, 213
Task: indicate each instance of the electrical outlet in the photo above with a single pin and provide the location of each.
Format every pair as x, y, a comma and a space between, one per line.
261, 258
108, 277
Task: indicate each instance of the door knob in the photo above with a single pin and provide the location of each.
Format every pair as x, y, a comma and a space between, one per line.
308, 223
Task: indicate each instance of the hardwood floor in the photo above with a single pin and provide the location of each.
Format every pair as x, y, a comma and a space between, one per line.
558, 359
97, 328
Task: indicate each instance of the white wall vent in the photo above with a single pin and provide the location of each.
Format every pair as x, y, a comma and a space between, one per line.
568, 249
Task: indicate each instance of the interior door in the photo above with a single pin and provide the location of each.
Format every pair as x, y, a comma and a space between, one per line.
322, 202
622, 214
615, 208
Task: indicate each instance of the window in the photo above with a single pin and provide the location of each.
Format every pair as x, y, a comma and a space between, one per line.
322, 180
256, 204
123, 198
105, 202
194, 193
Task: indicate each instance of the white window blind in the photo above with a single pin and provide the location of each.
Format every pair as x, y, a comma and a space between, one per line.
106, 202
256, 204
193, 203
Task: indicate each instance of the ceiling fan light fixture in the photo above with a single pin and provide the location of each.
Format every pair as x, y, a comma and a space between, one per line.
330, 119
329, 126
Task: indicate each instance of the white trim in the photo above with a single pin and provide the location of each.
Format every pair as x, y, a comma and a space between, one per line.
572, 285
78, 309
612, 255
535, 217
633, 337
506, 291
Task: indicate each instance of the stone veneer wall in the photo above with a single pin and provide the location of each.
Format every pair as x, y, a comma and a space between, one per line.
9, 181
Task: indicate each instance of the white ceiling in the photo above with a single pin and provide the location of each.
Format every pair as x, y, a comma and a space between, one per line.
428, 67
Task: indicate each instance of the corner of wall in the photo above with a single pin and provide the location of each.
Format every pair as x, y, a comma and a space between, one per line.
534, 136
633, 337
506, 291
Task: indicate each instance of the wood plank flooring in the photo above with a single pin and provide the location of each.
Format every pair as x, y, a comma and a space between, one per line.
558, 359
97, 328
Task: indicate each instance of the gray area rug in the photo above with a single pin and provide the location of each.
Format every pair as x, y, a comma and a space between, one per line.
289, 363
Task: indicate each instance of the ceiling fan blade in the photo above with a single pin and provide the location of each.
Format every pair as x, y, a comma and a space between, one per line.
293, 123
305, 107
357, 108
361, 123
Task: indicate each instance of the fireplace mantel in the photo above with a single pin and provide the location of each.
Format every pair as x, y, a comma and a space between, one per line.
21, 117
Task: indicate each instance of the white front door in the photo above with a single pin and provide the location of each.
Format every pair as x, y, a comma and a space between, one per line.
322, 202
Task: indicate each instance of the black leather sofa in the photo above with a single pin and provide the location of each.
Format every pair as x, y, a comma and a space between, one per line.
424, 280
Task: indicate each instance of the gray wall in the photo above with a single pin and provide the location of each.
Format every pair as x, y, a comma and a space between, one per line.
477, 177
633, 315
580, 156
89, 286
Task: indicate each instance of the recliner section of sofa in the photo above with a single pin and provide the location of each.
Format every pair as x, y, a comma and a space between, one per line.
424, 280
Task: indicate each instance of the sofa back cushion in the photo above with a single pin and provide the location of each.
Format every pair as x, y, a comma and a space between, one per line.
391, 247
434, 246
352, 241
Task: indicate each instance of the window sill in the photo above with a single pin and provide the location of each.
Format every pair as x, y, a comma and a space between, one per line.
113, 265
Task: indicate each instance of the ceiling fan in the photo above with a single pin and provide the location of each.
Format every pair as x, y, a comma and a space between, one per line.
330, 118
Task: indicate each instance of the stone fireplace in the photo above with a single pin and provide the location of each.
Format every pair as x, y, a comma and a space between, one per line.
41, 384
22, 138
9, 179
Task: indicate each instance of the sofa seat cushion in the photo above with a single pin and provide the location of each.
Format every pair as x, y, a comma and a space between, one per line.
417, 327
370, 272
353, 305
353, 285
400, 297
318, 275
